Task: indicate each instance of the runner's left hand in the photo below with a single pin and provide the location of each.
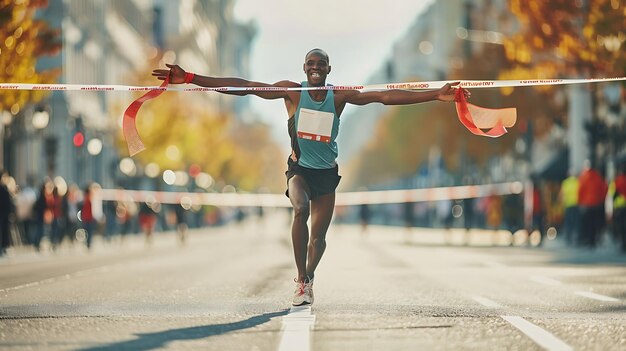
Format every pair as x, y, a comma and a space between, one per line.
448, 91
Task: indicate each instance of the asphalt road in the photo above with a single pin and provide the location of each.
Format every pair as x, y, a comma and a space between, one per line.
229, 288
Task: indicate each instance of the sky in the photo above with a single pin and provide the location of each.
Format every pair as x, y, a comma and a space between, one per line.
358, 36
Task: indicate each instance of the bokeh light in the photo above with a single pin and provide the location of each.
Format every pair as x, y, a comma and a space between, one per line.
152, 170
127, 166
94, 146
169, 177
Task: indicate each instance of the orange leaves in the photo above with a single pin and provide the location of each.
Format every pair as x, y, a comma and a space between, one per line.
586, 36
181, 129
24, 39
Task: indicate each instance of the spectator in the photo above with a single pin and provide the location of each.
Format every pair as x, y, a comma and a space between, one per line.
86, 215
409, 214
181, 223
110, 219
6, 211
592, 190
57, 226
38, 214
468, 218
70, 210
41, 213
537, 213
147, 220
513, 212
618, 191
409, 219
443, 211
24, 203
49, 203
124, 217
493, 212
364, 216
569, 200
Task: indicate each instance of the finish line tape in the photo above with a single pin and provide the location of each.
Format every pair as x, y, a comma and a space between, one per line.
408, 85
475, 118
371, 197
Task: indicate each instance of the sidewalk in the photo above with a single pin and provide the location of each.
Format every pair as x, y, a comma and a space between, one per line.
277, 225
136, 242
606, 253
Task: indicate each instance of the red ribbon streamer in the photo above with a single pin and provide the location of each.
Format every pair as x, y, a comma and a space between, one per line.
135, 145
494, 120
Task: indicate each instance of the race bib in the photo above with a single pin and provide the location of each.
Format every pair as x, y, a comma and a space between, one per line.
315, 125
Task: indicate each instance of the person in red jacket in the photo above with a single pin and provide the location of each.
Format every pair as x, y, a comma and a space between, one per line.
592, 190
86, 215
619, 208
57, 226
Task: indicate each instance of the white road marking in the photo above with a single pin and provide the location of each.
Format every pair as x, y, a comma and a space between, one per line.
537, 334
545, 280
494, 264
297, 325
486, 302
588, 294
23, 286
596, 296
85, 272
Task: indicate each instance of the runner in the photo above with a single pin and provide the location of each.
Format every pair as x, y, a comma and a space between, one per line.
312, 174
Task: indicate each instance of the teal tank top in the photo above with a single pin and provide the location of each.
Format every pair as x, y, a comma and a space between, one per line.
316, 129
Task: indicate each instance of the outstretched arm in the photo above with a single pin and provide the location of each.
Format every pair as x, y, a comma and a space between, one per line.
177, 76
403, 97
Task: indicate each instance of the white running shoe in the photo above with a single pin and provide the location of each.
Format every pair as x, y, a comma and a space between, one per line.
303, 295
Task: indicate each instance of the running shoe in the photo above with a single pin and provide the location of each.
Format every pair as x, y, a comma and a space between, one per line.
303, 295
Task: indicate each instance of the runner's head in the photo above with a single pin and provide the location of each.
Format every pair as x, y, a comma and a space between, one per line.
319, 52
316, 66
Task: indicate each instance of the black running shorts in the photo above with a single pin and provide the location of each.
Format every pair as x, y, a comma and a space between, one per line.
320, 181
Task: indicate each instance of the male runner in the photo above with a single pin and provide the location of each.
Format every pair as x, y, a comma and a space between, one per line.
312, 174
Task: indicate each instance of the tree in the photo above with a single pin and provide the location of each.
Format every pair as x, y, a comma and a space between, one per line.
564, 37
406, 134
231, 151
24, 40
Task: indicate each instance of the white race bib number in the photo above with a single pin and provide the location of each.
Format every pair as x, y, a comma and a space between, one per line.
315, 125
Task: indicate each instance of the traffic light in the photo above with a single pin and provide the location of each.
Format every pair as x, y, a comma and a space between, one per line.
79, 139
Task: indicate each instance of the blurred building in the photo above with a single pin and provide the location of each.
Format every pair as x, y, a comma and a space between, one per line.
113, 42
442, 39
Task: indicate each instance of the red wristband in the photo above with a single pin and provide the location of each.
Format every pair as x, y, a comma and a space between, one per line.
189, 77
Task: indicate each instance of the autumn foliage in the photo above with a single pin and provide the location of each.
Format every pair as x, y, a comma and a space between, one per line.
555, 39
212, 137
23, 40
567, 38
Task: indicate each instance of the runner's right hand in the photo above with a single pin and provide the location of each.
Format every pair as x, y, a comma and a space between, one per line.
175, 73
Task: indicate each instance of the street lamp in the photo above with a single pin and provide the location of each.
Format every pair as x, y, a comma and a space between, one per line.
5, 118
41, 119
94, 146
127, 166
5, 121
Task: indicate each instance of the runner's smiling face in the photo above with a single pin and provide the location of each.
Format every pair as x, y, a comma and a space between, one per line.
316, 68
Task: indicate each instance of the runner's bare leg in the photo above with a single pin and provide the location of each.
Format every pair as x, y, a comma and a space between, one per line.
299, 197
322, 210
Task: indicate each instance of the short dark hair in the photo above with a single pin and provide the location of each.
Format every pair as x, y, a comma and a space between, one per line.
319, 51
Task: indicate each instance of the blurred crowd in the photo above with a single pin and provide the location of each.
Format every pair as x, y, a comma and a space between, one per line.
594, 209
585, 210
57, 214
